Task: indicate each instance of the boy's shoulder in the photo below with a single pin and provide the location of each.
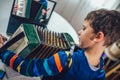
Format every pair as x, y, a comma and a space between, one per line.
79, 53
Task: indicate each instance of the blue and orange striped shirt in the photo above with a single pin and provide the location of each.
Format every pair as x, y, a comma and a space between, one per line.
79, 68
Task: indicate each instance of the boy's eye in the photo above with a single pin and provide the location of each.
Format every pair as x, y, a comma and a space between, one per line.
83, 28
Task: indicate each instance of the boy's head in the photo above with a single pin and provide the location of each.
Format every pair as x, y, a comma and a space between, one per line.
106, 21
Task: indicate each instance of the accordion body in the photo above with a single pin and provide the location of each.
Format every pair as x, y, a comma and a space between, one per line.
39, 42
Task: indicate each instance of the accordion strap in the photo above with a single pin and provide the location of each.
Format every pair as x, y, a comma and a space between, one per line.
12, 41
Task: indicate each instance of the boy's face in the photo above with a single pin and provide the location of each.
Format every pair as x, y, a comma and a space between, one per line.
86, 35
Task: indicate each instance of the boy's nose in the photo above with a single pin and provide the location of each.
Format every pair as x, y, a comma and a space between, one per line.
79, 32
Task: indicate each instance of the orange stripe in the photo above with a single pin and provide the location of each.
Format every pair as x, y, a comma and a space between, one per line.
12, 60
57, 61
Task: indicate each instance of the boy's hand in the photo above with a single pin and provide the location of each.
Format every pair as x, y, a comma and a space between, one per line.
45, 11
2, 40
16, 7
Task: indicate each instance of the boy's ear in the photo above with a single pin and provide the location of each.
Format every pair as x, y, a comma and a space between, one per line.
99, 36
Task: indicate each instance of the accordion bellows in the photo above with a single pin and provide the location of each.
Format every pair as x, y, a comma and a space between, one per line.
39, 42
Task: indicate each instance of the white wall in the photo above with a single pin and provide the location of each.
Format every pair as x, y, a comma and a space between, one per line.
5, 9
76, 10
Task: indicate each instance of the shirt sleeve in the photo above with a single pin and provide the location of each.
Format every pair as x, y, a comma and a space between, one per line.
36, 67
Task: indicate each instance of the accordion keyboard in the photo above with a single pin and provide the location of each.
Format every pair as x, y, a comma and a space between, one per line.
21, 7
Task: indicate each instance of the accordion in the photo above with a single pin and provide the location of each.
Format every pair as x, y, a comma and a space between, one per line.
30, 9
38, 42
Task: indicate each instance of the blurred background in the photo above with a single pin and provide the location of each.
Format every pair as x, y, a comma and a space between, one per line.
74, 11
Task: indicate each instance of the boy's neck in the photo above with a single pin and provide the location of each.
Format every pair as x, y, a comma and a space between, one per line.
93, 54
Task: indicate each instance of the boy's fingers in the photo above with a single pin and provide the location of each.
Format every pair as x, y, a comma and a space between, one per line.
2, 39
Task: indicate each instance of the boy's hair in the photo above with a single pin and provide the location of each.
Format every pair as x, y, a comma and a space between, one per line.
107, 21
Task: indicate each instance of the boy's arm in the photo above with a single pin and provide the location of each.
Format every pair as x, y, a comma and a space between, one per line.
35, 67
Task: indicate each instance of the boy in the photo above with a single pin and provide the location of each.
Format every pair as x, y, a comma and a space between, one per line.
100, 29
